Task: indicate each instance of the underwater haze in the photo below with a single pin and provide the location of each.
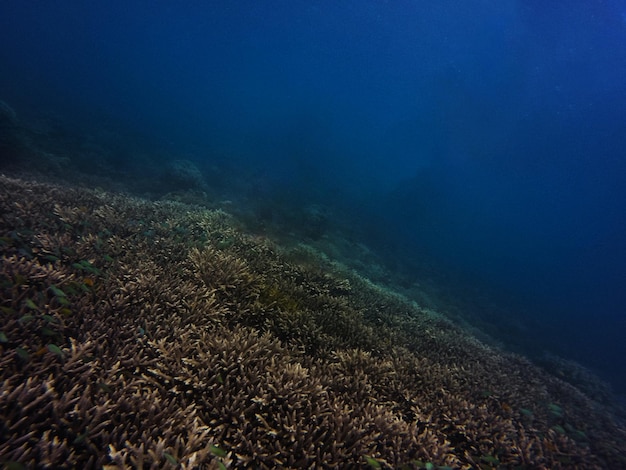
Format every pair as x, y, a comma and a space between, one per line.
477, 147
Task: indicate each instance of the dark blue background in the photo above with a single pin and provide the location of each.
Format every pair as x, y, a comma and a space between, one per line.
488, 137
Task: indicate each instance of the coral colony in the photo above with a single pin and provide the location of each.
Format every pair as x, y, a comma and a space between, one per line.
142, 334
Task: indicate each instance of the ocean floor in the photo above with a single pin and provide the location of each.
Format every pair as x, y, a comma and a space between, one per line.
143, 334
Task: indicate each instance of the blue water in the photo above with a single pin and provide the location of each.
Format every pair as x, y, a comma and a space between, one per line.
483, 139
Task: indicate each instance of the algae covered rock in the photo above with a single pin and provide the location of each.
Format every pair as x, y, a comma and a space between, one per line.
182, 175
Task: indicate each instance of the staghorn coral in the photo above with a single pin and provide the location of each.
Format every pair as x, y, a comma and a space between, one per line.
156, 335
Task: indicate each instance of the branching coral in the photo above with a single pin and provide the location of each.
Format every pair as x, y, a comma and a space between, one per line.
156, 335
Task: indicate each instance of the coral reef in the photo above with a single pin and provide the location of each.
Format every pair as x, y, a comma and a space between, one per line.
183, 175
142, 334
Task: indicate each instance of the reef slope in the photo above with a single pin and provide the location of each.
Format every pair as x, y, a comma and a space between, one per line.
156, 334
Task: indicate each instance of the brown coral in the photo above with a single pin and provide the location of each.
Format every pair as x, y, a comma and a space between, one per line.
155, 335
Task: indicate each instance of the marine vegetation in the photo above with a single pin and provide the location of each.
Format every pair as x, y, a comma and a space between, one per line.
140, 334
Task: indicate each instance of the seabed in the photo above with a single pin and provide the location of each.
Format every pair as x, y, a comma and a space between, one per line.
141, 334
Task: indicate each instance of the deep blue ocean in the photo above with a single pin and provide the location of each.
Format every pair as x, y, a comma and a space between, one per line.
478, 148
